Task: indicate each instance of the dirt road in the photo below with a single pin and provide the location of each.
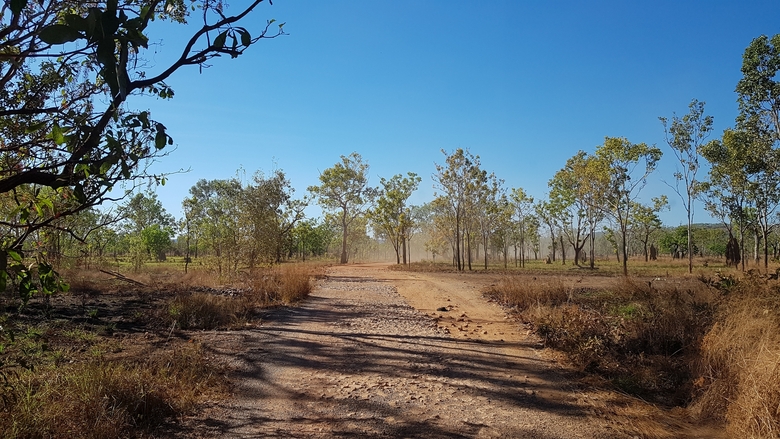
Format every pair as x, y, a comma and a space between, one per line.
369, 355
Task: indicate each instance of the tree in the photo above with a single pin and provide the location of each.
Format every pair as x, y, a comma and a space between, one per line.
575, 203
143, 210
622, 172
67, 69
686, 137
490, 207
156, 240
522, 204
269, 213
546, 214
344, 191
645, 221
214, 215
146, 226
391, 214
734, 163
456, 182
759, 104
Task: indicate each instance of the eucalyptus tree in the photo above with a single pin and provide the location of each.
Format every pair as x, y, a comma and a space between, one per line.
440, 236
269, 214
147, 227
622, 169
574, 202
490, 207
532, 234
645, 222
214, 213
758, 95
344, 192
547, 214
523, 205
67, 72
391, 214
455, 181
733, 165
686, 137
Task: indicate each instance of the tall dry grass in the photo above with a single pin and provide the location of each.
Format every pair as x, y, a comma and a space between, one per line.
639, 336
524, 292
107, 399
285, 284
740, 362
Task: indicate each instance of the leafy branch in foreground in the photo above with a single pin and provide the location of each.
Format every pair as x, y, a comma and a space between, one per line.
67, 136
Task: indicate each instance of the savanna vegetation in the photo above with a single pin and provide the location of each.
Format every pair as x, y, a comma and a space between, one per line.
96, 301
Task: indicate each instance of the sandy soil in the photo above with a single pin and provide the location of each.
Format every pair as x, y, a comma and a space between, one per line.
373, 353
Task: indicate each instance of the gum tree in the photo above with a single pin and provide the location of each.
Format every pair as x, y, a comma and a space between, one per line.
685, 136
391, 215
67, 72
622, 168
344, 192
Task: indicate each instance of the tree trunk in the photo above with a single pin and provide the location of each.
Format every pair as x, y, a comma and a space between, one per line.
344, 257
403, 240
563, 251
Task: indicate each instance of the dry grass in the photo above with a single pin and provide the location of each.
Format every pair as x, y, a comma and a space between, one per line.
638, 336
285, 284
289, 283
105, 399
740, 362
523, 292
61, 374
207, 310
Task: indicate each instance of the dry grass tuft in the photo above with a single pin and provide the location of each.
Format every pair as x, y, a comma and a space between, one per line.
103, 399
740, 362
524, 293
285, 283
207, 311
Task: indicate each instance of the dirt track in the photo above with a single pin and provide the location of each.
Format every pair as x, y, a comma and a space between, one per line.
368, 355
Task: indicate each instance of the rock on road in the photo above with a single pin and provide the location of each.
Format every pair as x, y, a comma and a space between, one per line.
368, 355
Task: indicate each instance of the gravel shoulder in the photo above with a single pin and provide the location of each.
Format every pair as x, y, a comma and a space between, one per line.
369, 355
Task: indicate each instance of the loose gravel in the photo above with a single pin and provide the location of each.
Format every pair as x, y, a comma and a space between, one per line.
355, 360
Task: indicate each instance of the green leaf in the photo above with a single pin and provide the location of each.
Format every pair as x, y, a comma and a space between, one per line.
160, 139
219, 42
78, 192
56, 134
77, 22
246, 39
35, 127
59, 34
15, 255
17, 6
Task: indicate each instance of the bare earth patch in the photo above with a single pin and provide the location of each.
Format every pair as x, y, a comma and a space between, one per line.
368, 355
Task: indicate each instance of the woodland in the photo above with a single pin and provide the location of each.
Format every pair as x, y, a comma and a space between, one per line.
76, 195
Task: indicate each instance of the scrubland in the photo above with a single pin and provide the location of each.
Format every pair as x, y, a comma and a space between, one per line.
113, 358
708, 343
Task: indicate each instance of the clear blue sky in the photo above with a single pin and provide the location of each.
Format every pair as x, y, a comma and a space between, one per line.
522, 84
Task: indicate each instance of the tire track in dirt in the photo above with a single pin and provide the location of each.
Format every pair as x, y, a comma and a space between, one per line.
357, 360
